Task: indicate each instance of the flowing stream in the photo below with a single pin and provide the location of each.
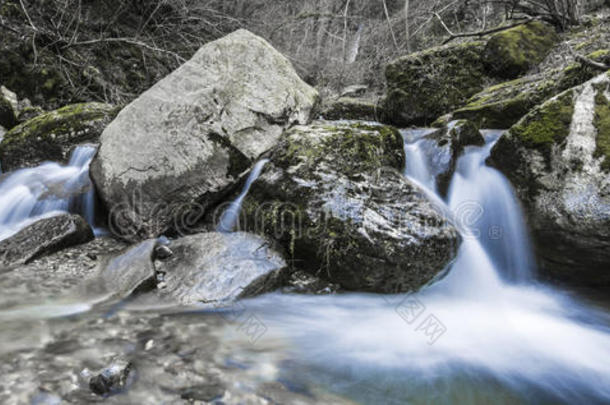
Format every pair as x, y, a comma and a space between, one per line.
486, 333
28, 195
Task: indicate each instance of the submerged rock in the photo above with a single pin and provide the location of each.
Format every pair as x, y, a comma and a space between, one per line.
218, 268
558, 159
182, 145
513, 52
332, 196
52, 135
427, 84
43, 237
113, 379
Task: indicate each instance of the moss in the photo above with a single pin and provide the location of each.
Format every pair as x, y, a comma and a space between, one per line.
513, 52
548, 124
602, 124
350, 108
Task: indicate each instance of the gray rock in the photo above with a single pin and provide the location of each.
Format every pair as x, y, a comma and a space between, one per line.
113, 379
332, 196
43, 237
558, 159
354, 90
218, 268
182, 144
349, 108
8, 108
301, 282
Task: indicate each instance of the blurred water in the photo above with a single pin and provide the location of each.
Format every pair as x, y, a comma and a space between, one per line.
30, 194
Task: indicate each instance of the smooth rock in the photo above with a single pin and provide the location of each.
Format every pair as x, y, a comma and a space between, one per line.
43, 237
181, 146
218, 268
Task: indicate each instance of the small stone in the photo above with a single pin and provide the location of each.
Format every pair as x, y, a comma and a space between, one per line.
113, 379
162, 252
92, 256
204, 392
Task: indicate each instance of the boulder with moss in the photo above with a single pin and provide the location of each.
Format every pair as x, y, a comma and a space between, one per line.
427, 84
52, 135
8, 108
351, 108
513, 52
182, 145
334, 197
502, 105
558, 159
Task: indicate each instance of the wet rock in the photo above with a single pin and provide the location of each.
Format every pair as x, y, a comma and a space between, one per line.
425, 85
332, 195
349, 108
43, 237
301, 282
113, 379
354, 90
217, 268
52, 135
558, 159
162, 252
194, 132
513, 52
203, 392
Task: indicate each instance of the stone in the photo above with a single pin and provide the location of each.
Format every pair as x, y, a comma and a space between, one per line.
182, 145
511, 53
113, 379
52, 135
349, 108
332, 195
558, 159
8, 108
215, 269
425, 85
43, 237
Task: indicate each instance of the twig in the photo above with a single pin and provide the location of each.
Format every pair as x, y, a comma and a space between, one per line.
587, 61
25, 11
127, 41
387, 16
453, 35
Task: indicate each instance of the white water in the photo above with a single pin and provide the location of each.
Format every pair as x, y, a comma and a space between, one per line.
230, 217
485, 333
30, 194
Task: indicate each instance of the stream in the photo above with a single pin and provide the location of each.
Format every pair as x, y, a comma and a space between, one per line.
487, 333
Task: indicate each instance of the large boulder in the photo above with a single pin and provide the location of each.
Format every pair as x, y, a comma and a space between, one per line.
558, 159
351, 108
513, 52
183, 144
43, 237
333, 196
218, 268
502, 105
52, 135
427, 84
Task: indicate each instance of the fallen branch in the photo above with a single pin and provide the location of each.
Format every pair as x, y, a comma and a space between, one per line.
127, 41
588, 62
453, 35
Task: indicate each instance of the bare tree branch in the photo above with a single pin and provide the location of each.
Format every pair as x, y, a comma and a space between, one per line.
453, 35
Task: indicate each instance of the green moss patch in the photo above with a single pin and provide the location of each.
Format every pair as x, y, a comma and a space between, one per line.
602, 124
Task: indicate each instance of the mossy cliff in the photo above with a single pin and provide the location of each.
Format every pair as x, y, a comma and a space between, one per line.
50, 136
333, 196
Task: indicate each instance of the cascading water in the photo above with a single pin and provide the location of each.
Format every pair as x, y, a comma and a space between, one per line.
230, 217
486, 333
30, 194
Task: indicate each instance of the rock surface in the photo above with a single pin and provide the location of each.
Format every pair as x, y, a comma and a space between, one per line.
52, 135
113, 379
8, 108
43, 237
218, 268
332, 196
558, 159
424, 85
513, 52
350, 108
184, 142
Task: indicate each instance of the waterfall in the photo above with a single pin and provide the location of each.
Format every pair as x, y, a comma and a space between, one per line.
498, 335
230, 217
30, 194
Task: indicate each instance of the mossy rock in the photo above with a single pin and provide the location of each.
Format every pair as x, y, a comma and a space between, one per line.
333, 196
425, 85
513, 52
8, 117
502, 105
558, 159
351, 108
51, 135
